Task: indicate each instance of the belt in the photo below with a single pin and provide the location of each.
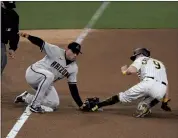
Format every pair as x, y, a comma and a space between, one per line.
156, 80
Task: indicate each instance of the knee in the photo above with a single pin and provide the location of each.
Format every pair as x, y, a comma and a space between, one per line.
55, 104
159, 98
124, 97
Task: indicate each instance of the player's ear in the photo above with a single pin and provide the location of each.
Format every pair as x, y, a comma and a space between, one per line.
66, 48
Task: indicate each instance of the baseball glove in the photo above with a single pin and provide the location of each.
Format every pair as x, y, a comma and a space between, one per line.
165, 106
89, 104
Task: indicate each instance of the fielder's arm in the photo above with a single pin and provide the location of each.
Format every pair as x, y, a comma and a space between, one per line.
72, 82
33, 39
49, 49
75, 94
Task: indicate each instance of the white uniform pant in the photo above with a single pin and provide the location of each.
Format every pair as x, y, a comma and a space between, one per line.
148, 88
41, 80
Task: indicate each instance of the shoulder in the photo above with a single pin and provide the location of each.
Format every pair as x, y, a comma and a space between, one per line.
74, 67
139, 62
60, 50
140, 59
157, 61
14, 13
54, 46
56, 50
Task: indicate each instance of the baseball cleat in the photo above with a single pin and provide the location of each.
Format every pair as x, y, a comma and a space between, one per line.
37, 109
20, 98
142, 113
47, 109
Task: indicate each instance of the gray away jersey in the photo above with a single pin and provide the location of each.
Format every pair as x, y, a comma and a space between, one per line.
149, 67
55, 62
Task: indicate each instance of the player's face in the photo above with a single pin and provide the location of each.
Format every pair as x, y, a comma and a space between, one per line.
70, 55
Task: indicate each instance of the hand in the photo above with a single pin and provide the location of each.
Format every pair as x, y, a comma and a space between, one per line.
89, 104
25, 35
165, 106
124, 68
84, 108
11, 53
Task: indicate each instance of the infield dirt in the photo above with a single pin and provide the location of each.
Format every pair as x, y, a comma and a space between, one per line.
104, 52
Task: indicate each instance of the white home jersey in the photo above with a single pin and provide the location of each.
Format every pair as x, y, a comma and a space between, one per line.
55, 62
149, 67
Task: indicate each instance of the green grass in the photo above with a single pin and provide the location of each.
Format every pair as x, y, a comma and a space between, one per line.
52, 15
140, 15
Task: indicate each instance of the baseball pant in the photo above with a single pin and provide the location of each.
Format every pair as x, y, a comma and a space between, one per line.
149, 88
41, 80
50, 100
3, 57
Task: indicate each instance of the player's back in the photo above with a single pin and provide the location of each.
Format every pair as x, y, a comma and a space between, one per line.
53, 53
153, 68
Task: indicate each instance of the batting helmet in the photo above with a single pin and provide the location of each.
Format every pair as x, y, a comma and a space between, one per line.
139, 51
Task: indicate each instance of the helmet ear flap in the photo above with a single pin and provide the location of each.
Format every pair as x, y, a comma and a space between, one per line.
146, 52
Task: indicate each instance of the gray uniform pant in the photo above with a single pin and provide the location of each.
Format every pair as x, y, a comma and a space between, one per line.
41, 80
3, 57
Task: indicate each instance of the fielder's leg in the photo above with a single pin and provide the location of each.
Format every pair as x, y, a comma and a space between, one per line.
41, 80
50, 100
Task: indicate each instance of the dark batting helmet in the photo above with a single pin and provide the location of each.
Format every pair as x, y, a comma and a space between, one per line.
139, 51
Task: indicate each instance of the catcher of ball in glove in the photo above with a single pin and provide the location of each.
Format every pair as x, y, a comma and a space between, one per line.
89, 103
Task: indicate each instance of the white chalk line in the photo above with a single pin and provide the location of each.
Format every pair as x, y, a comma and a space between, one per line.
20, 122
24, 117
93, 20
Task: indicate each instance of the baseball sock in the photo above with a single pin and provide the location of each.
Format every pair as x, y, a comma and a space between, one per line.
110, 101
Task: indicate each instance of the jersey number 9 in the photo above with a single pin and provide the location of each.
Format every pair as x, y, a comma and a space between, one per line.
157, 65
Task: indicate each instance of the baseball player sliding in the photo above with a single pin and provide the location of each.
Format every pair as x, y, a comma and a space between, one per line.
153, 86
56, 65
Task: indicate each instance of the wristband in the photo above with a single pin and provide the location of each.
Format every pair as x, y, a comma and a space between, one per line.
124, 72
165, 100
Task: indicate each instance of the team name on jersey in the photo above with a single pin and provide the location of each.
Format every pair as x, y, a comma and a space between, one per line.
60, 69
